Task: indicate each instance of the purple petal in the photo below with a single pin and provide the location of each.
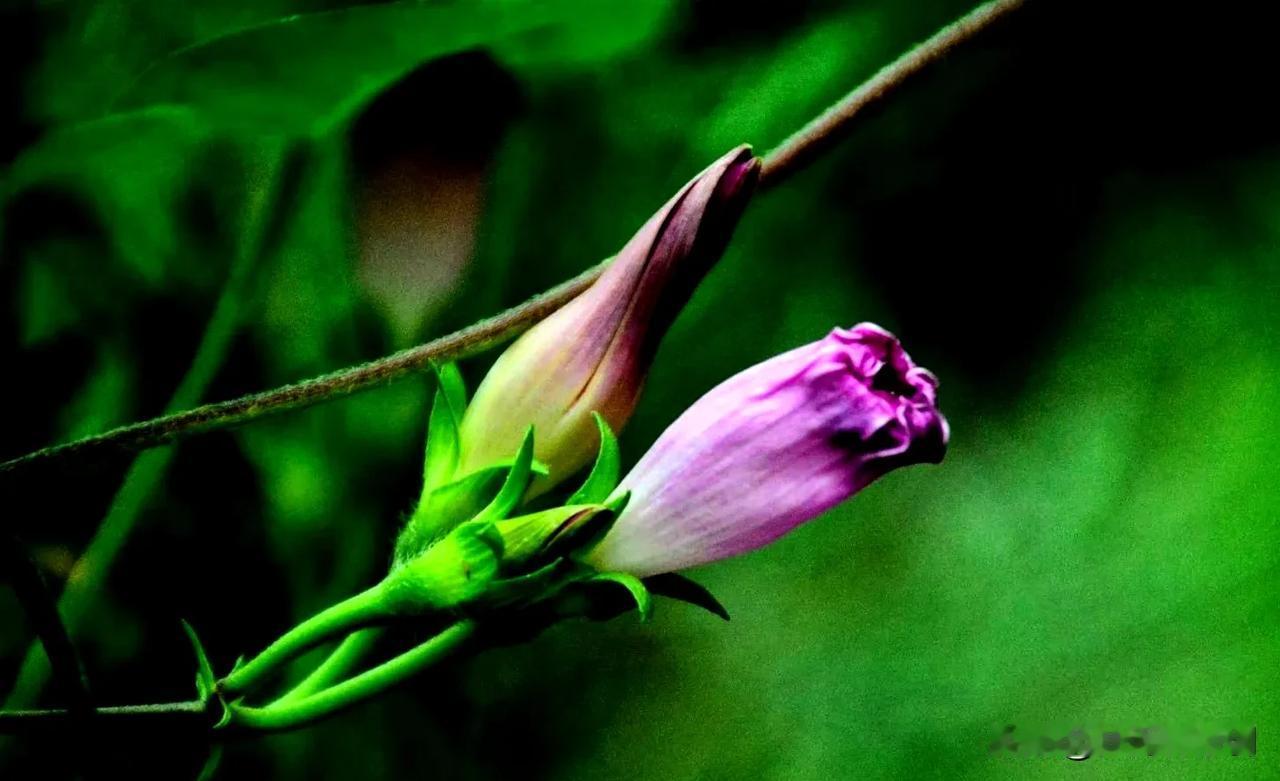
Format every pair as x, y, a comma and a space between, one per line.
593, 354
773, 447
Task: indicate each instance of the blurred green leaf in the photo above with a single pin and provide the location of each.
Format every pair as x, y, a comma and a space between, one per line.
309, 71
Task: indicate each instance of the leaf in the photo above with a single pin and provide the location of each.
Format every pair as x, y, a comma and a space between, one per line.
674, 586
109, 226
516, 484
634, 586
206, 681
604, 473
309, 72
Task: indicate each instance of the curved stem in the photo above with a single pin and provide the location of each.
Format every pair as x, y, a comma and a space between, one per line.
357, 611
211, 417
290, 713
345, 657
793, 154
834, 124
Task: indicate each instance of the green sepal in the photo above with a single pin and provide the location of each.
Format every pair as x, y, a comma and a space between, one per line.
444, 443
451, 382
603, 477
582, 537
675, 586
450, 574
536, 586
634, 586
441, 510
206, 681
514, 487
547, 533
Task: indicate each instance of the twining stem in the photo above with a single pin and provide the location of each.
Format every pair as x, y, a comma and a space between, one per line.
343, 659
833, 125
793, 154
471, 340
293, 712
789, 157
146, 471
353, 613
196, 713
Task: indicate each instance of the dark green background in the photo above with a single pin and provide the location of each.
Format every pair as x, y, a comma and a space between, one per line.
1075, 222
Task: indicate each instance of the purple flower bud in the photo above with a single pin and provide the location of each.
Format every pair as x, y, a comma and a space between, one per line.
593, 354
773, 447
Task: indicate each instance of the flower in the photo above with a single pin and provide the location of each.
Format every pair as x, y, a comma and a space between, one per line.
773, 447
592, 354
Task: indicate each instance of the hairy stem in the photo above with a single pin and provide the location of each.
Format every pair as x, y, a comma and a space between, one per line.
793, 154
147, 471
195, 713
833, 125
211, 417
291, 711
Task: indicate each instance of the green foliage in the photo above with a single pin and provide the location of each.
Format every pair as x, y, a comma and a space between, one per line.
1099, 547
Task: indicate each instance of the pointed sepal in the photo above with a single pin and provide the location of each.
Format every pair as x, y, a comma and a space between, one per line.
603, 477
634, 587
451, 383
675, 586
514, 487
529, 540
444, 443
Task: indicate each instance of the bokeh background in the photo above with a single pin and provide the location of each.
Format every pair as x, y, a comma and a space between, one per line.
1075, 222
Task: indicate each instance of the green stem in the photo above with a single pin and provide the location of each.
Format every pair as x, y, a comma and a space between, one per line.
358, 611
290, 713
345, 657
147, 471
